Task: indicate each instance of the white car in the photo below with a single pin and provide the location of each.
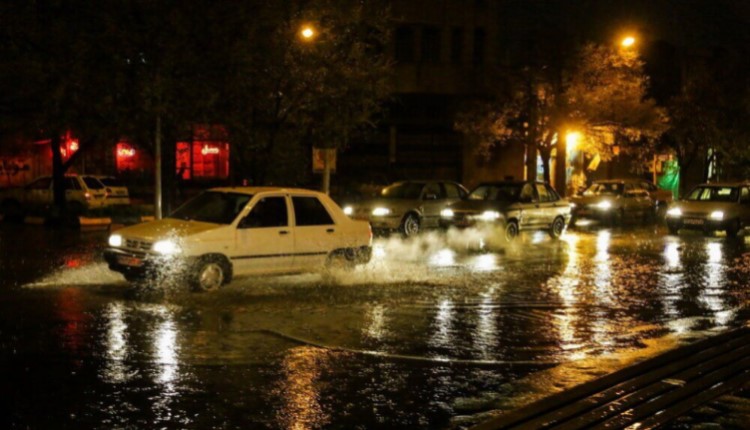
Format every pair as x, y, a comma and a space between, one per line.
82, 192
117, 192
226, 232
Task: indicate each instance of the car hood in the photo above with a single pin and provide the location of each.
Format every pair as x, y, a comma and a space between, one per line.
587, 200
167, 227
387, 203
704, 208
477, 206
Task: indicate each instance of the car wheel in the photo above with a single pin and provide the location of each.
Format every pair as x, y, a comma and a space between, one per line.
511, 231
557, 228
210, 274
733, 229
410, 225
673, 229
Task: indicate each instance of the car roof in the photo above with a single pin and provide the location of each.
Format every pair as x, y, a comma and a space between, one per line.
726, 184
619, 181
511, 183
257, 190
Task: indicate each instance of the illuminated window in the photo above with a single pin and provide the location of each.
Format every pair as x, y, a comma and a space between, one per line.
206, 157
127, 157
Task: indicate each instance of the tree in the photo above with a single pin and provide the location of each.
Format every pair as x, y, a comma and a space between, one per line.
603, 93
285, 95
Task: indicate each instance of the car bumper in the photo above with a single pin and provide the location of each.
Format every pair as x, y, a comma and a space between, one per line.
593, 214
702, 224
117, 201
141, 264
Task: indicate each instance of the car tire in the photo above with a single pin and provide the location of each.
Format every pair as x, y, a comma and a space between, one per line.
511, 231
557, 228
733, 229
210, 274
410, 225
673, 229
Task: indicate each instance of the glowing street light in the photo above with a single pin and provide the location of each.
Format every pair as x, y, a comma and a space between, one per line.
572, 139
307, 32
627, 42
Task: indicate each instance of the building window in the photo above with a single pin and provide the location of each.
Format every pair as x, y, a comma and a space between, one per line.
480, 41
206, 156
457, 45
127, 158
430, 45
404, 52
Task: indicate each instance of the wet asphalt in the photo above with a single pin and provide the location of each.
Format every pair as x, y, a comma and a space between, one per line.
431, 334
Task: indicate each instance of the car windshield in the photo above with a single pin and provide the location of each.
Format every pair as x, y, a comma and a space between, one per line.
213, 206
92, 183
714, 194
403, 190
111, 182
603, 188
502, 192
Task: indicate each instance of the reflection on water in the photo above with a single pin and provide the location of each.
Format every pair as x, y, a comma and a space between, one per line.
374, 327
485, 338
443, 325
299, 389
711, 296
115, 369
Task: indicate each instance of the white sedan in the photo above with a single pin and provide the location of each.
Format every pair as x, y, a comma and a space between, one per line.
226, 232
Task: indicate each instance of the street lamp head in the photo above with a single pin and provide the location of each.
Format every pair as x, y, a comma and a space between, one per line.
307, 32
627, 41
572, 139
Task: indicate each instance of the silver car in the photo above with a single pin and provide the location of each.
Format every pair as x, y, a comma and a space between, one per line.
614, 201
407, 206
510, 207
712, 207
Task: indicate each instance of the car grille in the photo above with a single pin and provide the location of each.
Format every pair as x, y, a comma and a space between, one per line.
139, 245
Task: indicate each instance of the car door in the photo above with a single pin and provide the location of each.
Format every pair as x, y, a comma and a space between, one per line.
545, 206
264, 238
529, 216
433, 201
315, 232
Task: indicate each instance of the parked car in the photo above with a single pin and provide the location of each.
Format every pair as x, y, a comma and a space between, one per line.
510, 207
712, 207
407, 206
662, 198
613, 201
117, 192
226, 232
82, 192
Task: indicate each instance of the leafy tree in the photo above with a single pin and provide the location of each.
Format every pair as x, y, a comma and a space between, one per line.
603, 94
285, 94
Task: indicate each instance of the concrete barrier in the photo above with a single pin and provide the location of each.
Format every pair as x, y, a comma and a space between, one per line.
88, 224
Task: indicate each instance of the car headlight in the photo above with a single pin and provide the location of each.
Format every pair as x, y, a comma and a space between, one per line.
381, 212
604, 205
348, 210
490, 215
573, 205
166, 247
446, 213
717, 215
674, 212
115, 240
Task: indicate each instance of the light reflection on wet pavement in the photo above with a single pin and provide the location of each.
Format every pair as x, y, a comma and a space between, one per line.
427, 332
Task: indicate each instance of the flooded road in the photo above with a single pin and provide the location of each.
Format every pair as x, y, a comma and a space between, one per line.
427, 333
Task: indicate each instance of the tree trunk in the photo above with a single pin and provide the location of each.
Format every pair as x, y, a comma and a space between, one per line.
545, 153
561, 165
58, 177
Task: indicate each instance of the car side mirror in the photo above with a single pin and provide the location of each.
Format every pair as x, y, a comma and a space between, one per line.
430, 196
